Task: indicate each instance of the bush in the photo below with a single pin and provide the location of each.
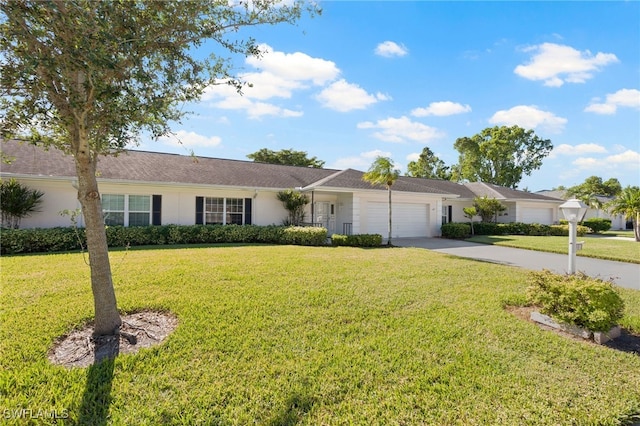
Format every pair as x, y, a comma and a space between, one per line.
597, 224
305, 236
576, 299
456, 230
67, 239
359, 240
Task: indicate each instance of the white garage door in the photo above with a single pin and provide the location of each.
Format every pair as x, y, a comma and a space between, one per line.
543, 216
408, 220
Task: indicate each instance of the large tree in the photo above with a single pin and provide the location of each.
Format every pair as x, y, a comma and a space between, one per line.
627, 203
288, 157
89, 76
592, 187
500, 155
383, 172
428, 166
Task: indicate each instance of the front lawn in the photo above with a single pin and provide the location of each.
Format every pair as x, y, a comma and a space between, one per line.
284, 335
597, 246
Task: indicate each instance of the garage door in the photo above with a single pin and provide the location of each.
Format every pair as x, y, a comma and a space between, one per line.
543, 216
408, 220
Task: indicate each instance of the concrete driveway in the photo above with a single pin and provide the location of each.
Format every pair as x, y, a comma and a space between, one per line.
622, 273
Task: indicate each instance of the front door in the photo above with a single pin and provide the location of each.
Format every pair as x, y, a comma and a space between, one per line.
325, 215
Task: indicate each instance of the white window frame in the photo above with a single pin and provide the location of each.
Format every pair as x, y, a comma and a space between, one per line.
126, 210
226, 213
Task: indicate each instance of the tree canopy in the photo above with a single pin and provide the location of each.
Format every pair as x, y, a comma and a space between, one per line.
594, 186
294, 203
500, 155
428, 166
488, 208
627, 203
289, 157
89, 76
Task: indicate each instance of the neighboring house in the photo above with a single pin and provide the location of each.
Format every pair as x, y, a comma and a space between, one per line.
617, 221
149, 188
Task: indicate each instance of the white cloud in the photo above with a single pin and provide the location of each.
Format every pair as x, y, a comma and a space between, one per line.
255, 109
390, 49
295, 66
629, 157
441, 109
628, 160
529, 117
414, 156
580, 149
622, 98
557, 64
401, 129
343, 96
190, 140
361, 162
278, 75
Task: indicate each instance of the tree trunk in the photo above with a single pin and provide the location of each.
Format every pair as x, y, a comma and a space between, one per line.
636, 227
107, 318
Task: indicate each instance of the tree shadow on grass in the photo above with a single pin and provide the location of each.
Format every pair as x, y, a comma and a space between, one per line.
96, 399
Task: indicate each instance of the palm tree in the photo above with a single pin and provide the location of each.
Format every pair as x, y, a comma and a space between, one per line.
17, 201
627, 203
382, 172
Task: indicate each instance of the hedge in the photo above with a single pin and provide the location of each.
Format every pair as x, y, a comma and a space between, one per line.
41, 240
463, 229
358, 240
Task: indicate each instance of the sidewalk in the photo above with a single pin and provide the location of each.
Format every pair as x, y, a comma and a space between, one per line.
622, 273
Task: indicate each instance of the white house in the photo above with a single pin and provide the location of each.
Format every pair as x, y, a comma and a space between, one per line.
618, 221
149, 188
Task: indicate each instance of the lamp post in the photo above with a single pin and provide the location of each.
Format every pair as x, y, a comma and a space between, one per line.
573, 210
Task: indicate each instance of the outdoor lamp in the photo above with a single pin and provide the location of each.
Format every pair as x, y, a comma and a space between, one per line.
573, 210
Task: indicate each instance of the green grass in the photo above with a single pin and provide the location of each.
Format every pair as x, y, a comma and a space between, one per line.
597, 246
298, 335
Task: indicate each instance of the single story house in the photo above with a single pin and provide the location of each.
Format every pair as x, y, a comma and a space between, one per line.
618, 221
150, 188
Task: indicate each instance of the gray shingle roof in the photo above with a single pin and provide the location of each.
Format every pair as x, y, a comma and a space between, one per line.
482, 189
155, 167
142, 166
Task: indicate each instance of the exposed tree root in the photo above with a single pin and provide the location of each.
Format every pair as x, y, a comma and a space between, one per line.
139, 330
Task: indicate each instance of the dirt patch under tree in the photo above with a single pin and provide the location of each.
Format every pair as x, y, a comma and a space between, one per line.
139, 330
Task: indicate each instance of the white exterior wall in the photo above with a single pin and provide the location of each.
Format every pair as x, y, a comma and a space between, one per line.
344, 211
59, 195
516, 211
178, 202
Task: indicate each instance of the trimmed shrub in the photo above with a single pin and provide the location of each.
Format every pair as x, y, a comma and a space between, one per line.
358, 240
456, 230
576, 299
597, 224
305, 236
537, 229
67, 239
39, 240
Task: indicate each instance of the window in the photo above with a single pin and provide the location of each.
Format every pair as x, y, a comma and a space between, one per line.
446, 214
213, 211
126, 210
223, 211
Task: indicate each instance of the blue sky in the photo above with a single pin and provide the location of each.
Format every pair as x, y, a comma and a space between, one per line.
389, 78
